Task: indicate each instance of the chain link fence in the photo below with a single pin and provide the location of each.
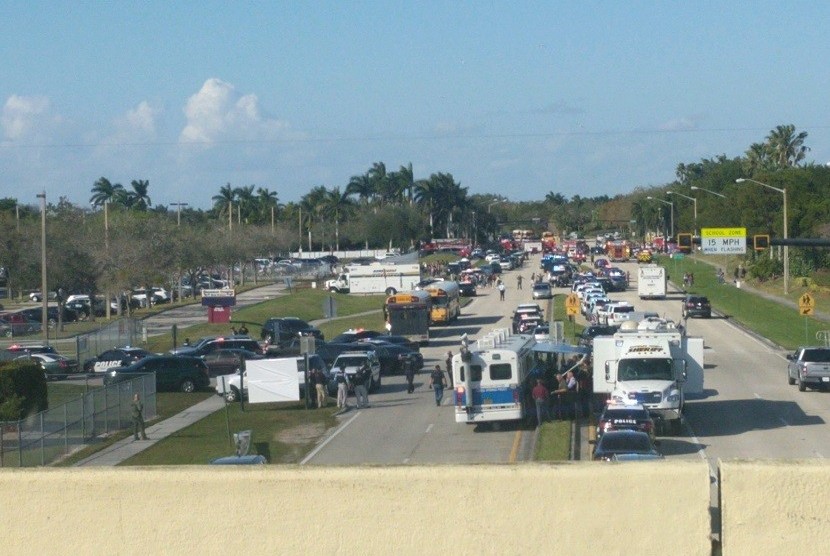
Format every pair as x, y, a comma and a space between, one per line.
46, 437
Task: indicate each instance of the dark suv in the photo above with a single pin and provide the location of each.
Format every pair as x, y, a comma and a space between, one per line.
586, 338
696, 306
173, 372
281, 330
212, 343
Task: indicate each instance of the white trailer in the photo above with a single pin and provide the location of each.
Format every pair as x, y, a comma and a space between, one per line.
656, 367
376, 278
651, 282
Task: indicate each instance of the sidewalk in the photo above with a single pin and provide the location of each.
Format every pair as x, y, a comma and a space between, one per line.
125, 449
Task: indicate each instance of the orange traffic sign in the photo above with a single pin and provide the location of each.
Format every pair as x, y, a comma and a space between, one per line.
572, 301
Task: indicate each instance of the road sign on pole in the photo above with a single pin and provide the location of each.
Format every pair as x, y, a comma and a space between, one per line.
572, 304
723, 241
806, 304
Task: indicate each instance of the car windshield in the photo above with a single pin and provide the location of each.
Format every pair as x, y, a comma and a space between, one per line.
350, 361
645, 369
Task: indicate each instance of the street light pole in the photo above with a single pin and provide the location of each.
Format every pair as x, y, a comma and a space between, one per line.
692, 199
783, 192
179, 211
44, 293
696, 188
671, 212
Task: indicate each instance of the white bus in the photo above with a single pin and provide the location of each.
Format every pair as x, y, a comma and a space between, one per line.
496, 388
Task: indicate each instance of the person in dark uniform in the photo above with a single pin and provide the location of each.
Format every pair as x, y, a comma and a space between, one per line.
449, 368
436, 382
138, 418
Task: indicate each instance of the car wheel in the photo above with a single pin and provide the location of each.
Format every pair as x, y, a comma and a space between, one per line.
790, 380
188, 386
391, 291
801, 386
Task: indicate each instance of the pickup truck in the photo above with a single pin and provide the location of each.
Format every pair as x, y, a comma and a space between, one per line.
809, 367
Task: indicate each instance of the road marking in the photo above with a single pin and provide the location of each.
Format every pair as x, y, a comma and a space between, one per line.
329, 439
713, 473
514, 452
429, 428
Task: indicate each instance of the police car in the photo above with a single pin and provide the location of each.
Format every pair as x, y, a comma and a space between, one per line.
633, 417
117, 357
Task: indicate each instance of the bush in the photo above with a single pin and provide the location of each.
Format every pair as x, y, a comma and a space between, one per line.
766, 268
22, 389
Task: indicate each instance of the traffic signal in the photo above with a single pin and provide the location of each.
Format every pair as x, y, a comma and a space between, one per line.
684, 242
760, 242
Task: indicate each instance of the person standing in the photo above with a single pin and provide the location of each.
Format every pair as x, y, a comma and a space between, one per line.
519, 282
359, 380
436, 382
449, 368
409, 371
320, 385
138, 418
501, 290
342, 381
540, 397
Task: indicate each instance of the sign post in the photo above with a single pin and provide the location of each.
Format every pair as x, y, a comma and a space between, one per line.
806, 304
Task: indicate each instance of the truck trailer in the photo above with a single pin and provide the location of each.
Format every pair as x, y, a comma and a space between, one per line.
651, 282
376, 278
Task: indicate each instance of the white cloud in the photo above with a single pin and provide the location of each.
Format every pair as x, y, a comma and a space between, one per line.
680, 124
218, 112
24, 116
143, 118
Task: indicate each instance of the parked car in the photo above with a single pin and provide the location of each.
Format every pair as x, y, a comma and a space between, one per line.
354, 335
173, 372
54, 366
22, 349
12, 324
352, 361
52, 312
542, 290
467, 289
330, 351
616, 417
624, 443
394, 339
586, 337
809, 367
393, 358
282, 330
116, 357
212, 343
227, 361
696, 306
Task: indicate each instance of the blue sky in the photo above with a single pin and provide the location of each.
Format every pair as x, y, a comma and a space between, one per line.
511, 98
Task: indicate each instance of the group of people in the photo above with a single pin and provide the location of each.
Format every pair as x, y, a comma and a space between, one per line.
570, 397
357, 381
242, 330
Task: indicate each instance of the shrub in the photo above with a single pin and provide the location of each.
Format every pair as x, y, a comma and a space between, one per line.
22, 389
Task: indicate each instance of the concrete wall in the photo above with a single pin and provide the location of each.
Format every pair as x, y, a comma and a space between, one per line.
775, 507
569, 508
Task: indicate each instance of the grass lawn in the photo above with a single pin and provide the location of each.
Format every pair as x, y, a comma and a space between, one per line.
554, 441
167, 405
305, 303
783, 325
282, 432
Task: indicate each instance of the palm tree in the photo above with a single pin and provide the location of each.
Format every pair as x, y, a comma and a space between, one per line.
335, 204
380, 181
426, 194
406, 182
362, 187
138, 199
556, 199
104, 192
312, 203
268, 202
786, 147
223, 202
245, 198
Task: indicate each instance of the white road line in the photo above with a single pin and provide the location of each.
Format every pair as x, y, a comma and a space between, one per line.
713, 474
329, 439
429, 428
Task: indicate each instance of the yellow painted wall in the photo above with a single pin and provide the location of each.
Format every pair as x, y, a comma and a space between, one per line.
570, 508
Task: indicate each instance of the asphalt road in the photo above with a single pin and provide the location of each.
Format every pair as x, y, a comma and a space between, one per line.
401, 428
